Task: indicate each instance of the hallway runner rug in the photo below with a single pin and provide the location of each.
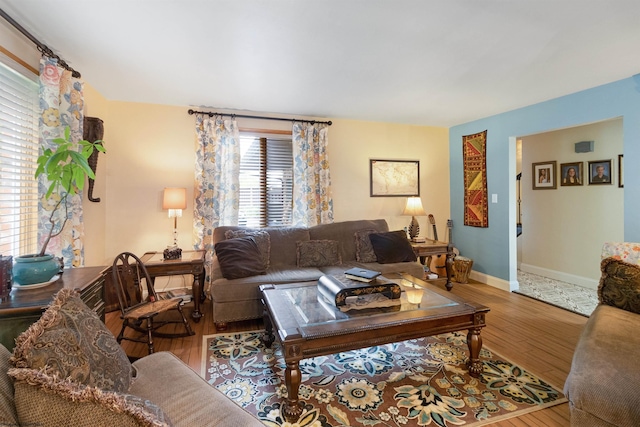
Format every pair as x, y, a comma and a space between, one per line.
411, 383
474, 152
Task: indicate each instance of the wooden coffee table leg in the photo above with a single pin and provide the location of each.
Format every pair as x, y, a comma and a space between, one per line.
474, 341
267, 337
292, 408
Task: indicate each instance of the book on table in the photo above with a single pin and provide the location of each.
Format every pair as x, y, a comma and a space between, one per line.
336, 289
361, 274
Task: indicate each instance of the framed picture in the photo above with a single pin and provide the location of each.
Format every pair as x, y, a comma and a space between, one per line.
394, 178
600, 172
571, 174
620, 166
544, 175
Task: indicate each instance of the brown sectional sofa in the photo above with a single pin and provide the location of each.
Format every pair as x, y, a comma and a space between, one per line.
239, 299
602, 386
67, 370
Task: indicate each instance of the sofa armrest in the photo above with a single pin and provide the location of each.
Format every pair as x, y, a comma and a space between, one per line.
183, 395
620, 284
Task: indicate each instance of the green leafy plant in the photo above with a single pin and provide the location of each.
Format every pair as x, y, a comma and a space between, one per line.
66, 169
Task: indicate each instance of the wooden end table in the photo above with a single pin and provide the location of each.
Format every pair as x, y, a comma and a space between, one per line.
426, 250
192, 262
307, 328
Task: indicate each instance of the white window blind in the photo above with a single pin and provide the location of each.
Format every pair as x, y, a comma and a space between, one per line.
18, 156
266, 182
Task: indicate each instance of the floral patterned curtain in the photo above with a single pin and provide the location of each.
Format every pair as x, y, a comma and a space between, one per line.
312, 201
217, 180
61, 104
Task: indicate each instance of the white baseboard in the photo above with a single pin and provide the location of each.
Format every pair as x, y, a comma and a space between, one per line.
494, 281
585, 282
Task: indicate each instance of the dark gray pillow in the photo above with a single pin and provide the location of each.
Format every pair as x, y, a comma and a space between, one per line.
239, 257
392, 246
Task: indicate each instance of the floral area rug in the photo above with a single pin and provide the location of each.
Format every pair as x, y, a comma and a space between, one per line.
411, 383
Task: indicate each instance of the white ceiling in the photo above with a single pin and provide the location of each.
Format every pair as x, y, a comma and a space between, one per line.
423, 62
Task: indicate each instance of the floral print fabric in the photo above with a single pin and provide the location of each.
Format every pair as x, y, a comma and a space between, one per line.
61, 104
217, 180
312, 201
623, 251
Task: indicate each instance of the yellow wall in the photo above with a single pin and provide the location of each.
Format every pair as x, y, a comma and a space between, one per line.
150, 147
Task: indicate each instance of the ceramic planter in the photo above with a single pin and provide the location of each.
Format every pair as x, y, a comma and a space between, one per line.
31, 269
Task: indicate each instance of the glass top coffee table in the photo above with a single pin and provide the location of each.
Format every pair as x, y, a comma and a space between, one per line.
307, 326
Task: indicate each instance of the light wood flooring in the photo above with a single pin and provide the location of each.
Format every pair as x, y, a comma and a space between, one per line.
537, 336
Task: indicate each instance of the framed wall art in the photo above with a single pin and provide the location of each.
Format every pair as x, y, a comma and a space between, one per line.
620, 174
571, 174
544, 175
394, 178
600, 172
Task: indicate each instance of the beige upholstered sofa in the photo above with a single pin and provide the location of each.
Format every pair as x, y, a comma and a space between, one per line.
602, 386
298, 254
68, 370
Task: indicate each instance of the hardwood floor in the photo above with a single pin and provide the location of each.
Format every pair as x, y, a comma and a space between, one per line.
537, 336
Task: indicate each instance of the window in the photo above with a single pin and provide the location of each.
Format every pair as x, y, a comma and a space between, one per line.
266, 181
18, 156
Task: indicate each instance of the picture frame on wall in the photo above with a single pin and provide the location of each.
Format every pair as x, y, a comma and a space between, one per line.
394, 178
600, 172
620, 174
544, 175
571, 174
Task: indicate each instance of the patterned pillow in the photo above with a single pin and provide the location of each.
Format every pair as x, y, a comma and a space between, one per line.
262, 238
391, 247
364, 250
70, 340
620, 284
239, 257
318, 253
47, 400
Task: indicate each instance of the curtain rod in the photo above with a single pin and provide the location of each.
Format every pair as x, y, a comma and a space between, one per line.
211, 114
44, 49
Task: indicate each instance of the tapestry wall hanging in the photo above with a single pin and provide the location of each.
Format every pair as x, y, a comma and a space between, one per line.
474, 148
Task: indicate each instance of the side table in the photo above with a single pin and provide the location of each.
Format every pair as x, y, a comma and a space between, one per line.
192, 262
425, 250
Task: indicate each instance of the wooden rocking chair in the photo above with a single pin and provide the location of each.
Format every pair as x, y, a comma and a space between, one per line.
139, 311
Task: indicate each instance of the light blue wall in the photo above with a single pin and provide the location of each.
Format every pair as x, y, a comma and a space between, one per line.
493, 249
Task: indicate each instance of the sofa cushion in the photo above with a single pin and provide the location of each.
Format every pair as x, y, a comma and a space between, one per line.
318, 253
262, 240
47, 400
392, 246
364, 249
239, 257
343, 232
70, 340
604, 378
190, 401
620, 284
8, 415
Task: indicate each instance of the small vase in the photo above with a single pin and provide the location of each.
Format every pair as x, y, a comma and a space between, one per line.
31, 269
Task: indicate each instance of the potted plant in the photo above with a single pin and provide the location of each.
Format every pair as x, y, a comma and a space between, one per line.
66, 170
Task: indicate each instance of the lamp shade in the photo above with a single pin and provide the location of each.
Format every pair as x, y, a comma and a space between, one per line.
174, 198
414, 207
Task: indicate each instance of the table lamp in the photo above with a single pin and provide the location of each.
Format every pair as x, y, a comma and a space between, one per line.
414, 208
175, 200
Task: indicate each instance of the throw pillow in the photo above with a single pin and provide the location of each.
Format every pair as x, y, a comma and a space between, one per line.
239, 257
364, 250
70, 340
47, 400
318, 253
392, 246
620, 284
262, 238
